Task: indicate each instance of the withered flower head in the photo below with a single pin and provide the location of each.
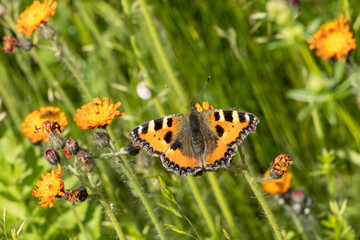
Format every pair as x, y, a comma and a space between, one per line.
49, 187
281, 164
51, 129
80, 194
97, 113
9, 43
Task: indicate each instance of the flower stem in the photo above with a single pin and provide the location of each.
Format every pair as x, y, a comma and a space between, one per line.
160, 51
136, 185
223, 204
138, 54
107, 208
203, 208
256, 189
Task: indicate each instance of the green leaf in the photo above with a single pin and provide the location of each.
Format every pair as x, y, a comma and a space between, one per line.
176, 212
226, 234
175, 229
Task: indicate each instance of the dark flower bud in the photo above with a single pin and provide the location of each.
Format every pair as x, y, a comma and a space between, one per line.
72, 146
101, 139
25, 44
52, 156
84, 161
132, 150
79, 194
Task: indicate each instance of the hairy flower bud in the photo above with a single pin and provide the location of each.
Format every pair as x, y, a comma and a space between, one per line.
72, 146
52, 157
101, 139
84, 161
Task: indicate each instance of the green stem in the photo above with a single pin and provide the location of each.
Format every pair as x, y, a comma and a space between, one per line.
107, 208
77, 76
203, 208
160, 54
132, 178
138, 54
256, 189
223, 204
52, 81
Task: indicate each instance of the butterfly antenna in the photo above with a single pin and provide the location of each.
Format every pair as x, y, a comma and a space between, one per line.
203, 88
176, 95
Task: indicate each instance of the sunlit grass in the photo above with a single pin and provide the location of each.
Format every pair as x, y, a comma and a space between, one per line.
259, 61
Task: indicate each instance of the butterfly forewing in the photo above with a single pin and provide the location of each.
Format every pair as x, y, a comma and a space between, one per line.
230, 127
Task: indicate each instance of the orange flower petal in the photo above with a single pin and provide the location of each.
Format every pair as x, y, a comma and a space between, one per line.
97, 113
33, 16
277, 186
49, 187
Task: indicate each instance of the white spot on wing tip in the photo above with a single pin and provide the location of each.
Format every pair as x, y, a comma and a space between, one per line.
247, 117
140, 129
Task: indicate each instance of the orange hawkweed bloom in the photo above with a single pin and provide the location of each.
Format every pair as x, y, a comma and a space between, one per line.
277, 186
37, 118
97, 113
33, 16
333, 40
9, 43
49, 187
205, 106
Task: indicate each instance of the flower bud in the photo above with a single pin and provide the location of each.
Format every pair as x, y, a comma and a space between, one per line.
101, 139
72, 146
84, 161
25, 44
132, 150
52, 156
50, 128
79, 194
281, 164
47, 32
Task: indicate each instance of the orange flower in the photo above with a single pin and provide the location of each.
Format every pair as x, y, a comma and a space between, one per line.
49, 187
9, 43
37, 118
33, 16
97, 113
333, 39
205, 106
277, 186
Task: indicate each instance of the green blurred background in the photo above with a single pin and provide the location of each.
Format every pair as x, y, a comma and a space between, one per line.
258, 59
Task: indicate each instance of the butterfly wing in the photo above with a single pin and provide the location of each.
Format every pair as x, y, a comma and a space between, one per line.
168, 138
230, 127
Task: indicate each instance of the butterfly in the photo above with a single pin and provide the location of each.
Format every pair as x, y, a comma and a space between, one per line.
203, 139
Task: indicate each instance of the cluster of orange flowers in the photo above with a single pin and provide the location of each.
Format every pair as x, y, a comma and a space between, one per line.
40, 124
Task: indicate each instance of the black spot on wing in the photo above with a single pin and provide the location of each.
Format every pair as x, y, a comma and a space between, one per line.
217, 116
176, 145
242, 117
158, 124
145, 128
169, 122
168, 137
219, 130
228, 115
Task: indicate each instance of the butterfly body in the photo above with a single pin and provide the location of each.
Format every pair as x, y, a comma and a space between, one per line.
187, 144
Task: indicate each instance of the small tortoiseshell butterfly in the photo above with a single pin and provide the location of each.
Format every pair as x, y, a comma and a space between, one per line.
180, 140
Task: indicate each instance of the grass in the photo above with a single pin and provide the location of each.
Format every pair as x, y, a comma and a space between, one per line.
258, 63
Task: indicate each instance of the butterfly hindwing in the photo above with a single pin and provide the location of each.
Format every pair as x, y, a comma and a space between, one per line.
230, 127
